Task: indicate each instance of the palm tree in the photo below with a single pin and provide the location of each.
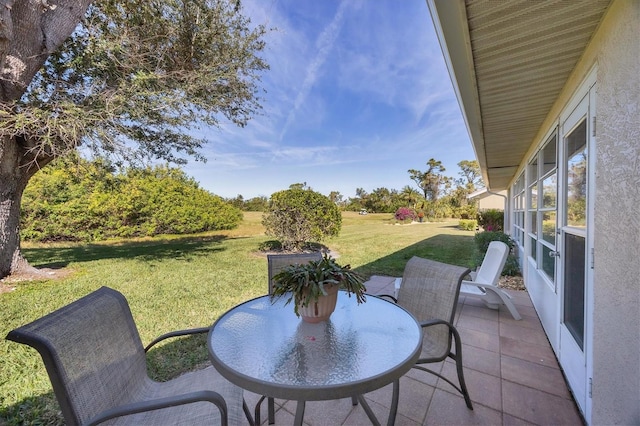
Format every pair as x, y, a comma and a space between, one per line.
410, 195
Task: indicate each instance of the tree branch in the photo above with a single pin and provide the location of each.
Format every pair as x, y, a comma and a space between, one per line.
23, 51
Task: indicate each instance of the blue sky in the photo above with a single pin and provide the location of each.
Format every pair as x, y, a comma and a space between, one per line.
357, 94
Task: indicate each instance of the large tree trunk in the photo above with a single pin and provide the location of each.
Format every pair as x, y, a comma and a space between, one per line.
12, 184
30, 30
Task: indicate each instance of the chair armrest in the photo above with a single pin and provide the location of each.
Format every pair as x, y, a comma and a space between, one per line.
435, 322
156, 404
177, 333
452, 330
387, 296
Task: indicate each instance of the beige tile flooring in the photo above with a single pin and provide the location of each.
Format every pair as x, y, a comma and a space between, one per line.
511, 372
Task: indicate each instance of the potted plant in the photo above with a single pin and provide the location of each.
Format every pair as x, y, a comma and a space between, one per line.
313, 286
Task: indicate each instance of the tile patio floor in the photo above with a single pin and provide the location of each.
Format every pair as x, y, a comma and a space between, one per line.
511, 372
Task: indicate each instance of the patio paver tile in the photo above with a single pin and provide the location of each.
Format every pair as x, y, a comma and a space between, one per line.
540, 354
523, 334
534, 375
483, 388
449, 409
320, 413
538, 407
479, 324
480, 312
358, 417
527, 320
481, 360
479, 339
509, 420
414, 400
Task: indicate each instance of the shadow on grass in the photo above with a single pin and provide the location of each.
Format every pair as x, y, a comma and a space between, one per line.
174, 248
452, 249
42, 409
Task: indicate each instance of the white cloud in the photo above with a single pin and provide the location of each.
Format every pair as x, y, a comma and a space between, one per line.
324, 45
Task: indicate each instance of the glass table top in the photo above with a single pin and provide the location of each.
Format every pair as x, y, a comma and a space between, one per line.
262, 346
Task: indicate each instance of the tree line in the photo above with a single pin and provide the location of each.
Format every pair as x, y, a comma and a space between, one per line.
75, 199
433, 196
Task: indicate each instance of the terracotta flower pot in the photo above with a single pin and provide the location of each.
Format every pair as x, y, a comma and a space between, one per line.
322, 309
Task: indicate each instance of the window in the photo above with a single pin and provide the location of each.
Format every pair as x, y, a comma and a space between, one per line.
518, 211
541, 196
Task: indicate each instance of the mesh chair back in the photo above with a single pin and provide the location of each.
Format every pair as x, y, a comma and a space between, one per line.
493, 263
92, 351
430, 291
277, 262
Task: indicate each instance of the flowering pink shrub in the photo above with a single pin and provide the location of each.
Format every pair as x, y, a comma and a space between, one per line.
404, 214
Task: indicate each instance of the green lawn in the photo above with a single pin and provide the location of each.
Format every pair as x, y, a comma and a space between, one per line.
181, 282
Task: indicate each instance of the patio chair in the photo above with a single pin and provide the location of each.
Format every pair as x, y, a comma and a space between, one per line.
97, 366
485, 283
430, 290
275, 264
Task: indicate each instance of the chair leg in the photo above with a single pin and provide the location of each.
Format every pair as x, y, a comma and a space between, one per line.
458, 359
271, 408
463, 385
256, 414
506, 300
247, 412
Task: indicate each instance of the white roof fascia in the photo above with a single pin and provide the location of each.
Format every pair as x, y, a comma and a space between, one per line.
456, 48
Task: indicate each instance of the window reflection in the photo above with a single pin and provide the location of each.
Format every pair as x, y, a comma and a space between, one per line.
534, 223
549, 227
549, 192
548, 263
542, 197
577, 176
549, 158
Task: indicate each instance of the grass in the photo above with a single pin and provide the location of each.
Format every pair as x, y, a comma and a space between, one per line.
182, 282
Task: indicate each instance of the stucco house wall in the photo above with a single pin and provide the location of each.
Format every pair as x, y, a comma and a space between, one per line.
488, 201
615, 51
616, 340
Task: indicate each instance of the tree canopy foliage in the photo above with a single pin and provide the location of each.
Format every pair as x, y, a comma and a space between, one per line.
135, 76
470, 175
430, 181
298, 216
87, 201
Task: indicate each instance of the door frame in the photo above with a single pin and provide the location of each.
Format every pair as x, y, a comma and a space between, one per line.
578, 369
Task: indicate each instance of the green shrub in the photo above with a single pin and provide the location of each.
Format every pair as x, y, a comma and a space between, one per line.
299, 216
491, 220
469, 211
86, 201
482, 240
468, 224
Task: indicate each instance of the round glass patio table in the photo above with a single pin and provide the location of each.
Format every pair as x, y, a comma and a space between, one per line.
263, 347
